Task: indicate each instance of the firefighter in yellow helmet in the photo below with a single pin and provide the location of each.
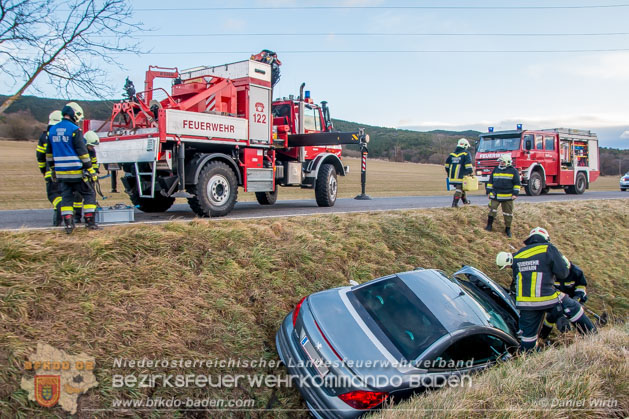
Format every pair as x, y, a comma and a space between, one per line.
52, 187
458, 165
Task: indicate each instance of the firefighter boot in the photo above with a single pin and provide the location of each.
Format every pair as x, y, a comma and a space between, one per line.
90, 220
465, 200
455, 202
68, 221
490, 222
56, 217
508, 231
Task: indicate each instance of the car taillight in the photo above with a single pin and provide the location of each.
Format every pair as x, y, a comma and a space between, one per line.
296, 311
364, 399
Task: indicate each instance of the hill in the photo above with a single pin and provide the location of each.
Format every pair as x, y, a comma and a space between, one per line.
219, 291
386, 143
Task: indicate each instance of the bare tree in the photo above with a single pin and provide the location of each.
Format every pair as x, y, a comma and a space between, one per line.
69, 42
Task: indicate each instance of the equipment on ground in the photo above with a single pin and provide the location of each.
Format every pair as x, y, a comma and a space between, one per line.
601, 320
558, 158
218, 130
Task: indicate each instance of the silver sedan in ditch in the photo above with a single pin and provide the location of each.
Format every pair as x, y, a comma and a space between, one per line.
350, 349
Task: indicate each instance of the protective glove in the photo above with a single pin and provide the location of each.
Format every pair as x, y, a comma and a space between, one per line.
581, 296
92, 175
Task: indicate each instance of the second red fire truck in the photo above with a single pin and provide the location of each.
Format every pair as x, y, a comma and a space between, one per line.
559, 158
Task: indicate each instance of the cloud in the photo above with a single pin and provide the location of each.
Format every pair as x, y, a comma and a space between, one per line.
625, 135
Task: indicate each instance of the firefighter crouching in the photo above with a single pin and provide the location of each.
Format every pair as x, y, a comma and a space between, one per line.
67, 155
503, 188
53, 190
535, 268
458, 165
575, 287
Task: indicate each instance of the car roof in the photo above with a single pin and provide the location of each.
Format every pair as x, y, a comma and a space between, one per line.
447, 301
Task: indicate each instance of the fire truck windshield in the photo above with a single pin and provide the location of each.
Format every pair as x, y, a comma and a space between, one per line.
499, 143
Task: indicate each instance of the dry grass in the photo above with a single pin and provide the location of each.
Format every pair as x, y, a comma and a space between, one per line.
22, 185
564, 381
220, 289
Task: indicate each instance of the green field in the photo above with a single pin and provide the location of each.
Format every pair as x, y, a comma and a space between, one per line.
202, 290
22, 185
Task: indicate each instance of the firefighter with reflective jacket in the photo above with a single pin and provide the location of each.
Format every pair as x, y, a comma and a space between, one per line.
535, 268
575, 287
503, 187
67, 155
52, 188
458, 165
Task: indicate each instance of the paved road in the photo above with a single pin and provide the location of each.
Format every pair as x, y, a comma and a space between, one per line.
42, 218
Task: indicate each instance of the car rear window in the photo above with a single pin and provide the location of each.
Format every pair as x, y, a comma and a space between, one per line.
401, 316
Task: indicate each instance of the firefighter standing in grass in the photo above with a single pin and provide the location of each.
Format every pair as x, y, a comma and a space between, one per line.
52, 188
503, 188
67, 155
535, 269
458, 165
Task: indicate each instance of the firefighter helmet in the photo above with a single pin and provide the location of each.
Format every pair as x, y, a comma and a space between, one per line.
54, 118
541, 231
78, 111
91, 138
463, 143
505, 160
504, 259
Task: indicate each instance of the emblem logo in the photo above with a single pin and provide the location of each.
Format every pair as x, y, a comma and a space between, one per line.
47, 389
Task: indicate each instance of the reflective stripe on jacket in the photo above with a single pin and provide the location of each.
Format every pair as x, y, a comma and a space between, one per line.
504, 183
66, 152
458, 164
534, 270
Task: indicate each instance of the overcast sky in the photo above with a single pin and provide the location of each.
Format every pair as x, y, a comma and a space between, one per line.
470, 68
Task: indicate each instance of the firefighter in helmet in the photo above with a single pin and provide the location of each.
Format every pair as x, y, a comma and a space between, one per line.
535, 268
458, 165
91, 140
52, 187
68, 157
503, 188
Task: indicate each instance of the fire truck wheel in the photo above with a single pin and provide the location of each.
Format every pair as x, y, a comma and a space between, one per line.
326, 186
158, 204
267, 198
579, 186
535, 184
216, 191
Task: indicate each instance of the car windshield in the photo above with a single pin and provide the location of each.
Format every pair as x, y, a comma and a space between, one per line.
506, 143
401, 316
496, 315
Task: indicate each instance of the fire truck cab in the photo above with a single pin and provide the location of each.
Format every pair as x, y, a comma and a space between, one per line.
558, 158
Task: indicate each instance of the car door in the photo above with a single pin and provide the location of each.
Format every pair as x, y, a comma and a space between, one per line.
476, 275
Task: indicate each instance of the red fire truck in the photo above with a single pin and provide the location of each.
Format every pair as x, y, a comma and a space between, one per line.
558, 158
217, 130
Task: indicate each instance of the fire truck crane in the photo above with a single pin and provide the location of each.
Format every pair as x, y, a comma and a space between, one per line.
217, 130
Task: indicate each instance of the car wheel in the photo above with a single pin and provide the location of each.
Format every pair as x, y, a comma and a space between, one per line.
326, 186
267, 198
623, 189
216, 191
535, 184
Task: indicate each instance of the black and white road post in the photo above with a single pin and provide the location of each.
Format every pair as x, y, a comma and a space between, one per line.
363, 171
